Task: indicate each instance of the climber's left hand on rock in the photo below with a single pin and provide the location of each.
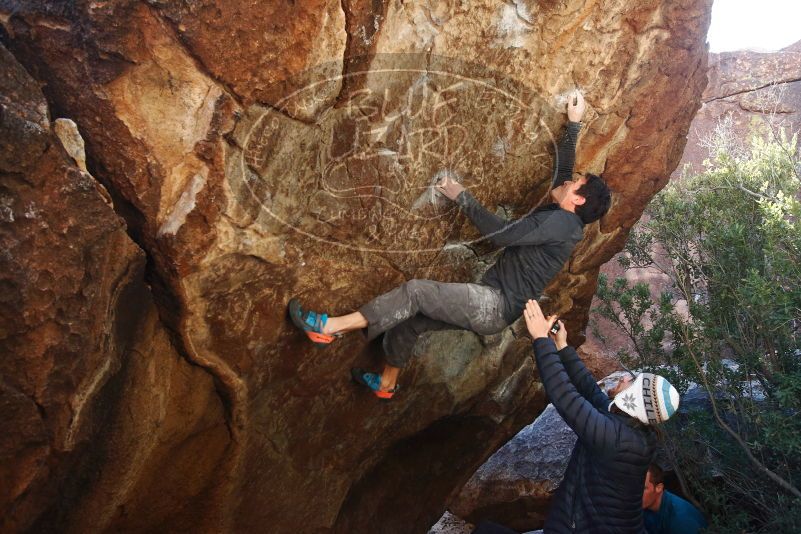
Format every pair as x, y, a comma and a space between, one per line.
449, 187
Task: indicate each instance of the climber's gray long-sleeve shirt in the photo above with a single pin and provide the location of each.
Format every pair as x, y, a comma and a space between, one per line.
537, 245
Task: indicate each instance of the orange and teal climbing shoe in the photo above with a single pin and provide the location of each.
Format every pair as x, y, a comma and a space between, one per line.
373, 382
311, 323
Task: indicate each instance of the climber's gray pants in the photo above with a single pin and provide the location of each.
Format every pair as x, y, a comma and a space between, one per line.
419, 306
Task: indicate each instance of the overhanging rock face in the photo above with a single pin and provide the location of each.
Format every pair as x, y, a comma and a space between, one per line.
259, 151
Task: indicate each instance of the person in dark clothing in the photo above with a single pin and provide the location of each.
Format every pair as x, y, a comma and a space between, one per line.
602, 488
537, 246
666, 513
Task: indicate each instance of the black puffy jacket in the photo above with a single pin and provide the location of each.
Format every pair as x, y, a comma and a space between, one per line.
603, 485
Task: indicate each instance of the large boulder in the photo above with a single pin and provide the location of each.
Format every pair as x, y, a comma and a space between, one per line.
262, 150
93, 396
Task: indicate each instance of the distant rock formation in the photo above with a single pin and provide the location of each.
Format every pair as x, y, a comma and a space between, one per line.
259, 150
751, 91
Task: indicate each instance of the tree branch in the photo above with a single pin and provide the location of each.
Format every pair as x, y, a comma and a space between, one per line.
743, 445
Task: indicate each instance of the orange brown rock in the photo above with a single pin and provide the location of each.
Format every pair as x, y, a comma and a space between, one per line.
93, 395
259, 151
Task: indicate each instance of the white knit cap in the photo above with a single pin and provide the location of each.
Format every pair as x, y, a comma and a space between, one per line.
650, 398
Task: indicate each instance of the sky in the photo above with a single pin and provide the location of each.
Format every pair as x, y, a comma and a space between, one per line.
763, 25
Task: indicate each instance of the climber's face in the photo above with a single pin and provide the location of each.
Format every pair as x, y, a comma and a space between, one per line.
566, 194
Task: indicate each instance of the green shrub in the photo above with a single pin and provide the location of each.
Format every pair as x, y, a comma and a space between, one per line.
728, 241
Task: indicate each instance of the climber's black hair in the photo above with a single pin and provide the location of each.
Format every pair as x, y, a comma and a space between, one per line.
597, 199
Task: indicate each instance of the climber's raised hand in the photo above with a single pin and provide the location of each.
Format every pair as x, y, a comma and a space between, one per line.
576, 106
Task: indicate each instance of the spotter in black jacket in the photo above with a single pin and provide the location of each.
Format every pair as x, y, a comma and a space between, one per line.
602, 488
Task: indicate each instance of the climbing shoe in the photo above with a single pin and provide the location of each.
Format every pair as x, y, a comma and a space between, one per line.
373, 382
311, 323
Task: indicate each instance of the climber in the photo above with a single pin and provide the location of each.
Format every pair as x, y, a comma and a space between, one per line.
602, 490
537, 246
666, 513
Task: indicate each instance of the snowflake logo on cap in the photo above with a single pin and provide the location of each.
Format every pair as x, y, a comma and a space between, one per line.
628, 401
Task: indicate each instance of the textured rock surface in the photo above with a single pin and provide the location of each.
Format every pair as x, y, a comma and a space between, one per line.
514, 486
451, 524
748, 92
91, 391
249, 171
